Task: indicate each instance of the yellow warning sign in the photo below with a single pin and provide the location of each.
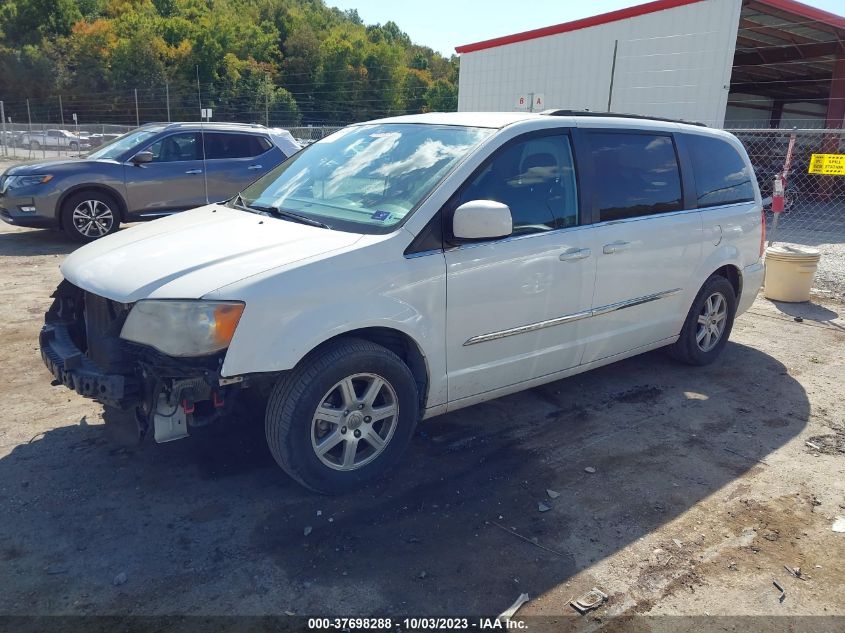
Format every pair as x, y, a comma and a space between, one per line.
827, 164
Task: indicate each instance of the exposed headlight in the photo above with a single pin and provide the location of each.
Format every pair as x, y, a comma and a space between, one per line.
15, 182
183, 328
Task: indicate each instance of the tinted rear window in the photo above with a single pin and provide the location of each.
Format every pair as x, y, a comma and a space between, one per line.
637, 174
222, 145
721, 176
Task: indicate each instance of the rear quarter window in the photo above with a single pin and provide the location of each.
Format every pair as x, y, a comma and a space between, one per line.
721, 175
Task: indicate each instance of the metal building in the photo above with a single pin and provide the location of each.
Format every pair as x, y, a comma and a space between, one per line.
748, 63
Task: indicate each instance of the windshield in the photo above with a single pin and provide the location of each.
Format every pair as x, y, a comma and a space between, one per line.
365, 178
123, 144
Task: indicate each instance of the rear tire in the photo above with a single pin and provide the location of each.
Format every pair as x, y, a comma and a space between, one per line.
90, 215
708, 324
322, 423
34, 145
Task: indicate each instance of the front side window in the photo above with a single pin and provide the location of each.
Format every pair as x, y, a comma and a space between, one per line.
176, 147
721, 175
365, 178
636, 174
123, 144
535, 178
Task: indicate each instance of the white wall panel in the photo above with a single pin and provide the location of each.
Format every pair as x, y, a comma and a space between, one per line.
674, 63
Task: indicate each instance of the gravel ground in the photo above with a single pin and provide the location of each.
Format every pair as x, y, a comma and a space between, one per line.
678, 491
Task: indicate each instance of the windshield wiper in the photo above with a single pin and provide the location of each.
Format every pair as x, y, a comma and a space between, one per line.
241, 204
293, 217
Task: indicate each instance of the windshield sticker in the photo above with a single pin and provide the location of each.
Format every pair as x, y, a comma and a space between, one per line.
381, 216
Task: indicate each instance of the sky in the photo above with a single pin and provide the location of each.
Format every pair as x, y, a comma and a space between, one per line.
444, 24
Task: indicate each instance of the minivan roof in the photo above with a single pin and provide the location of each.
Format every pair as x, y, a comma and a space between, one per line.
502, 119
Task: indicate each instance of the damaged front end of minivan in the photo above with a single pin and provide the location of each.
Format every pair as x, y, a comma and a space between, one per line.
161, 360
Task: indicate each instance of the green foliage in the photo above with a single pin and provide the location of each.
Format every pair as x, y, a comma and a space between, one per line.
282, 61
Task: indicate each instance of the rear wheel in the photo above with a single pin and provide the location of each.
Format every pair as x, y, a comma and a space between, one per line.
343, 416
708, 324
90, 215
34, 145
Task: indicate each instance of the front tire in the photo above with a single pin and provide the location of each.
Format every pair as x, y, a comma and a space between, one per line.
90, 215
343, 416
708, 324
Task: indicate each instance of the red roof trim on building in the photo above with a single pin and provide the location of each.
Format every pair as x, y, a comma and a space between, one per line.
805, 11
596, 20
790, 6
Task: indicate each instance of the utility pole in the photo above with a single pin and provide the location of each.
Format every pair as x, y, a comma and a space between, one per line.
137, 116
167, 96
612, 75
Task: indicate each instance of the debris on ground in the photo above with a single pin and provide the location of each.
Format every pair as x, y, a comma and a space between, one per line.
533, 541
813, 446
120, 579
553, 494
543, 507
307, 530
799, 319
795, 572
839, 525
589, 469
508, 613
782, 595
589, 601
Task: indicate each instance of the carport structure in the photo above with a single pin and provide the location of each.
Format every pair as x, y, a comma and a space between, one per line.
789, 64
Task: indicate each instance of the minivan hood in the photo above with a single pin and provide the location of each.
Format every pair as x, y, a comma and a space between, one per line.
188, 255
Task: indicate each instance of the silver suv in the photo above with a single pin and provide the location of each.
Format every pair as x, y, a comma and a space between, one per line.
155, 170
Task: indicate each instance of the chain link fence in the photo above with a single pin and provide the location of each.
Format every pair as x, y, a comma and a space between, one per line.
814, 212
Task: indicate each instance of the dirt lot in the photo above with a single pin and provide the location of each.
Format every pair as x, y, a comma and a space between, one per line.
704, 487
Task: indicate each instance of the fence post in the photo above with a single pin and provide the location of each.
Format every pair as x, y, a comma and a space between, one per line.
61, 111
137, 116
29, 117
5, 138
167, 97
267, 109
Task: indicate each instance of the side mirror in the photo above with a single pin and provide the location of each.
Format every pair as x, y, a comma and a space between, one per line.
142, 157
482, 219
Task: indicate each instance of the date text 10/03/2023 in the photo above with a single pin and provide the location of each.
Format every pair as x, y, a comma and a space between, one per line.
415, 624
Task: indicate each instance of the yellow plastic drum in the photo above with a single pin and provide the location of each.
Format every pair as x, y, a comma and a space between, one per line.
789, 273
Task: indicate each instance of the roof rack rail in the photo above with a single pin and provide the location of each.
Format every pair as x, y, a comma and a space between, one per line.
212, 123
621, 115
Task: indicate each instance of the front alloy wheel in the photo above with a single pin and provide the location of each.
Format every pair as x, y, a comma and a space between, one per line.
354, 422
93, 218
89, 215
342, 416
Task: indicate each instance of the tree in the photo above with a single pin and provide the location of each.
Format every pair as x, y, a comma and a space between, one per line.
442, 96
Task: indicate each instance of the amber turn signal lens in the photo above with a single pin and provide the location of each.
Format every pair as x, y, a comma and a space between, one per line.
226, 317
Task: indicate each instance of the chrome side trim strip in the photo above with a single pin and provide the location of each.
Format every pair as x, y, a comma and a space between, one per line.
568, 318
522, 329
630, 303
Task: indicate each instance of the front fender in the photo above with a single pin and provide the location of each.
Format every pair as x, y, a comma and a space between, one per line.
289, 313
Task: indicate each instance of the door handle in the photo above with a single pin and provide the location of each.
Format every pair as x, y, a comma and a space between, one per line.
616, 247
254, 167
574, 254
194, 171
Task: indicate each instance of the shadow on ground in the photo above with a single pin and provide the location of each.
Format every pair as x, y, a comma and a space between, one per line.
29, 242
216, 519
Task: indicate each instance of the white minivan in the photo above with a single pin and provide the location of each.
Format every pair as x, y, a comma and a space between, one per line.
402, 268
